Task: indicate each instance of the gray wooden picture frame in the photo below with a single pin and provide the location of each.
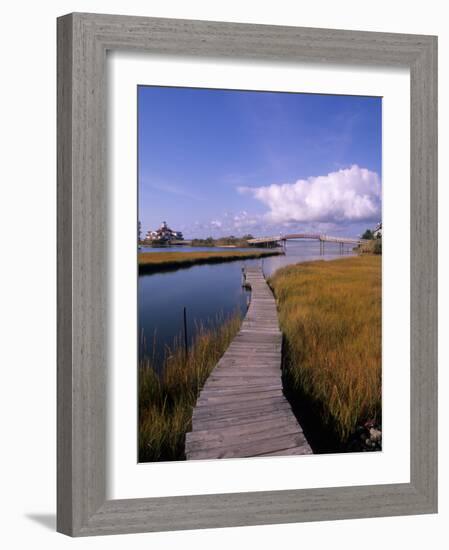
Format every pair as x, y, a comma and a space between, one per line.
83, 40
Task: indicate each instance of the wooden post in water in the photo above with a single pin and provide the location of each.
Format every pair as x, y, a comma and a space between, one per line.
186, 348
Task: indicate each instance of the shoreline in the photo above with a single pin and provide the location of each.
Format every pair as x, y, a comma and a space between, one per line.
151, 262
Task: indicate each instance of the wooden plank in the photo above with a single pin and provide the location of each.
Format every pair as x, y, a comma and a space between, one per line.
252, 363
249, 372
271, 438
280, 424
251, 448
220, 423
243, 414
209, 400
222, 411
240, 388
247, 390
243, 380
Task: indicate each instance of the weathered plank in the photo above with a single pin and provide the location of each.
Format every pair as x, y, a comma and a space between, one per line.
248, 390
239, 411
232, 382
281, 424
242, 411
248, 446
209, 400
219, 410
220, 423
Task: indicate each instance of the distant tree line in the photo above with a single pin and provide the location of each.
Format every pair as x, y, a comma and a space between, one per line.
369, 235
231, 240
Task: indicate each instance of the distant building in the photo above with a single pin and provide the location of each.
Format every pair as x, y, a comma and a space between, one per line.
377, 233
164, 234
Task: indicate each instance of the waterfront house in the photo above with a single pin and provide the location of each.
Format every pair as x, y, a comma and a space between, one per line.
164, 234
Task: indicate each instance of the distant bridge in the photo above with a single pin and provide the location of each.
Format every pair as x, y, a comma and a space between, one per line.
282, 239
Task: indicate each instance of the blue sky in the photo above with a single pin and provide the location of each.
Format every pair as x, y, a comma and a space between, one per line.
221, 162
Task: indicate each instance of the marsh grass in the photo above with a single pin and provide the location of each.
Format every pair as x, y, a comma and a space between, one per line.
150, 262
330, 314
166, 401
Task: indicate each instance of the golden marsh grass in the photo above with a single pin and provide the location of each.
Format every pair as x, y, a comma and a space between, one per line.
330, 314
157, 261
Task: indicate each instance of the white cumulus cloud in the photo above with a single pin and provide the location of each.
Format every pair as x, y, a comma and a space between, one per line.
351, 194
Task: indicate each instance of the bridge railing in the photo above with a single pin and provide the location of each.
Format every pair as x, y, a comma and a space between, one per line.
315, 236
265, 239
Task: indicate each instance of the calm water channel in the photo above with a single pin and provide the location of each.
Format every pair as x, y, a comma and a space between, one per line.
209, 292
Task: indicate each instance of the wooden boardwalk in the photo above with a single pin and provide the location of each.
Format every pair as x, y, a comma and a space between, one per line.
242, 411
